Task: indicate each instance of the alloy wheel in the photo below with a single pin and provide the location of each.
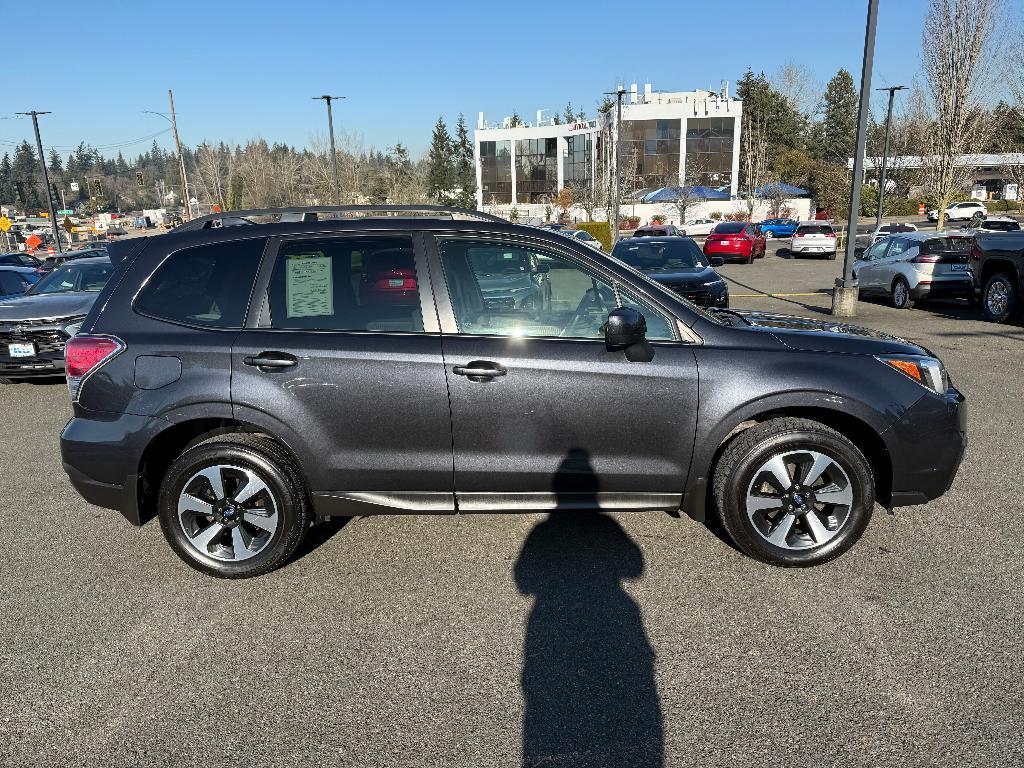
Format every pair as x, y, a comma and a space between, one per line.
997, 298
799, 499
228, 512
900, 294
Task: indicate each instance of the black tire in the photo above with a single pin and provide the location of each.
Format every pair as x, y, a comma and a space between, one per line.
831, 256
5, 380
275, 467
1002, 311
742, 458
899, 296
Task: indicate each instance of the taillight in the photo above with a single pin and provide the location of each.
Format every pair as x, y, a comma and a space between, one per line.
84, 355
926, 258
831, 234
798, 234
975, 251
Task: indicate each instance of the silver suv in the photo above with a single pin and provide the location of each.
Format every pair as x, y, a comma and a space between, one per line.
916, 265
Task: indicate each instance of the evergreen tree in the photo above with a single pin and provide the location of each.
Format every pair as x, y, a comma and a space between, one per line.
784, 127
56, 165
569, 115
6, 180
835, 137
515, 120
25, 176
465, 169
440, 166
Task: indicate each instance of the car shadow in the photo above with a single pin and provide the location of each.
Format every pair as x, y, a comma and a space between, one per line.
588, 666
320, 534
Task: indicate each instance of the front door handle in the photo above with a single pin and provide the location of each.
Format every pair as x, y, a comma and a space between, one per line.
480, 370
271, 361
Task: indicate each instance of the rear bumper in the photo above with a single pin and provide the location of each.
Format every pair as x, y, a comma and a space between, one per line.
101, 455
926, 446
31, 367
727, 253
821, 250
943, 289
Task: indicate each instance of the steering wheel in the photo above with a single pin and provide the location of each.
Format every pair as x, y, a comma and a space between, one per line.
592, 300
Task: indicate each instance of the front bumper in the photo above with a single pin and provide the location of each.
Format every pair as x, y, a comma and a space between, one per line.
926, 446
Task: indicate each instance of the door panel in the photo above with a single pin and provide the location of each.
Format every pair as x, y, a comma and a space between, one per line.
557, 420
339, 366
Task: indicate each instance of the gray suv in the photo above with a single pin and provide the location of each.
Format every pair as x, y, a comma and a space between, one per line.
243, 382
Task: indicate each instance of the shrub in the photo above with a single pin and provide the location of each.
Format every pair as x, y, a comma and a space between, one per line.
513, 215
715, 216
629, 222
657, 219
602, 230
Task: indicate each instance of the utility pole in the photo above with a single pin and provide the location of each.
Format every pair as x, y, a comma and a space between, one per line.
885, 152
618, 94
181, 160
334, 153
46, 177
845, 294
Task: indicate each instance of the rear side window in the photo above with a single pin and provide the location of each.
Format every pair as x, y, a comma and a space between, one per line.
10, 283
346, 284
730, 228
947, 245
208, 285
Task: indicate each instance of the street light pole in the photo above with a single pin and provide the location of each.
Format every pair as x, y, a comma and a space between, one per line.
618, 94
845, 294
885, 152
334, 153
181, 161
46, 177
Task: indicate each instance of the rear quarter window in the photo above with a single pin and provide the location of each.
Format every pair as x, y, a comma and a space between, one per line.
208, 285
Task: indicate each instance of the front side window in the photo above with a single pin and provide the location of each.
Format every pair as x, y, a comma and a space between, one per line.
508, 289
346, 284
876, 250
208, 285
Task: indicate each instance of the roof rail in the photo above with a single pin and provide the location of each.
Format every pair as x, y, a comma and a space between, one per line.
313, 213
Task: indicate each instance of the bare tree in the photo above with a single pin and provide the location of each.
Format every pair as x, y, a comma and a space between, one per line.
586, 196
753, 158
798, 85
956, 61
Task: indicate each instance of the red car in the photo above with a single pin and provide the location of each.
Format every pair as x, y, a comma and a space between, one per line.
736, 241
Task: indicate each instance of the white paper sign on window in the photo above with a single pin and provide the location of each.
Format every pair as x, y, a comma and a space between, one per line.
309, 286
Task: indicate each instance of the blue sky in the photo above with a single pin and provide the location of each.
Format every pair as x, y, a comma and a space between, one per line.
247, 69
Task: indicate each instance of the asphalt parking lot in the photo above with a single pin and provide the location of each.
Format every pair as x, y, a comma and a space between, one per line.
410, 640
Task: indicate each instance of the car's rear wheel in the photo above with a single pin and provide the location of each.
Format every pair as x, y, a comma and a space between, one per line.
999, 299
900, 295
793, 492
234, 506
768, 234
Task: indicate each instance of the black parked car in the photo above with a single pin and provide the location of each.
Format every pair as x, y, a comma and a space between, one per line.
238, 384
18, 260
50, 263
997, 266
679, 264
35, 326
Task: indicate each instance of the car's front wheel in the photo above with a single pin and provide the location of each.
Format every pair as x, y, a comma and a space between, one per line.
768, 234
999, 299
901, 294
793, 492
234, 506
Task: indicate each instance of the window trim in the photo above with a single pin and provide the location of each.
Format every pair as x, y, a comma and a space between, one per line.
446, 308
259, 309
182, 324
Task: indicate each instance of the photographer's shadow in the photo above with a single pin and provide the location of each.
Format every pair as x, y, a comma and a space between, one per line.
588, 670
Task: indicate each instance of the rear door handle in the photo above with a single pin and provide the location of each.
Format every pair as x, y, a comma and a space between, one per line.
271, 361
479, 370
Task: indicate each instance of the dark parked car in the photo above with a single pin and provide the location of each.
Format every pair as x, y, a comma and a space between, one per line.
678, 264
655, 230
19, 260
50, 263
35, 326
736, 241
14, 281
997, 264
234, 382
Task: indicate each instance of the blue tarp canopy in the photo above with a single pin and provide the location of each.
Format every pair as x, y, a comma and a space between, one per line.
787, 189
669, 194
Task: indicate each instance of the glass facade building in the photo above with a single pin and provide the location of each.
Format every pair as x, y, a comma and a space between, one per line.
536, 170
496, 171
709, 151
654, 146
579, 165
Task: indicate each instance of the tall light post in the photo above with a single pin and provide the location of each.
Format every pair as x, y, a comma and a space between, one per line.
845, 294
885, 152
334, 154
173, 120
618, 93
46, 176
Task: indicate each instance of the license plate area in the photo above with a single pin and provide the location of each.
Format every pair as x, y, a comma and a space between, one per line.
959, 267
21, 350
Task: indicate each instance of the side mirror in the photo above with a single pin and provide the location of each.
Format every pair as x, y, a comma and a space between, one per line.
542, 269
626, 330
717, 261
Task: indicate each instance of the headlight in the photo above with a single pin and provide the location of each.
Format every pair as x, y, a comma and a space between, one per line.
72, 329
926, 371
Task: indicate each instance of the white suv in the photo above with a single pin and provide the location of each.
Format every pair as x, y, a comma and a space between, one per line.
956, 211
816, 238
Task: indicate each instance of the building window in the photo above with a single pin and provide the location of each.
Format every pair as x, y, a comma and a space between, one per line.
578, 166
709, 151
536, 170
650, 154
496, 172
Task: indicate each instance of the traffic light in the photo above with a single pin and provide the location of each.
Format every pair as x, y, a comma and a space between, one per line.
97, 187
54, 194
139, 179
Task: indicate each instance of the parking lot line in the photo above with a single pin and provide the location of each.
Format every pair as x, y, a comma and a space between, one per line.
773, 295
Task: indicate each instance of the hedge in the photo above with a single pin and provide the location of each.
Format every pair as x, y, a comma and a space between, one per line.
601, 230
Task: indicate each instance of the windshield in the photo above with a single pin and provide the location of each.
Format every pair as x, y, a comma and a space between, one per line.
75, 276
661, 255
814, 230
1001, 226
